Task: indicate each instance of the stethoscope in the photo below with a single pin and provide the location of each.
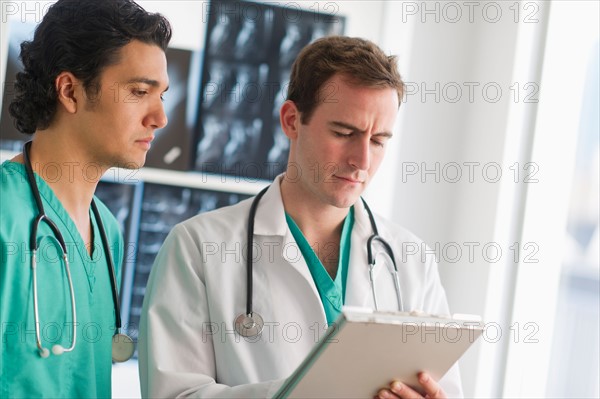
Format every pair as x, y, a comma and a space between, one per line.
250, 324
122, 345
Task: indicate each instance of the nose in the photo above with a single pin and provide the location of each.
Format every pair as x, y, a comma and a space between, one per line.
156, 118
360, 154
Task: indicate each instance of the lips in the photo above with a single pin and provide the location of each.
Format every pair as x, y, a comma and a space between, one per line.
146, 140
145, 143
351, 179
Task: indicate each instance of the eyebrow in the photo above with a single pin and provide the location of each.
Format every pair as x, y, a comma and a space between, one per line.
356, 129
151, 82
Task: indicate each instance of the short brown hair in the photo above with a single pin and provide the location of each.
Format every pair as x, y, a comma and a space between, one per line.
362, 61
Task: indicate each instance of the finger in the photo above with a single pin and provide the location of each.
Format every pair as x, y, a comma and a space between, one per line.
431, 387
385, 393
403, 391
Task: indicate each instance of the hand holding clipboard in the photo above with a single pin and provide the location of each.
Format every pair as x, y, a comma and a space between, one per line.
366, 351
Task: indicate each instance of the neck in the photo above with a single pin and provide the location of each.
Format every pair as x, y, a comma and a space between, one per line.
318, 221
71, 174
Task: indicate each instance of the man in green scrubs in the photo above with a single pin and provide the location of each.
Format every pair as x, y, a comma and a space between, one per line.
91, 91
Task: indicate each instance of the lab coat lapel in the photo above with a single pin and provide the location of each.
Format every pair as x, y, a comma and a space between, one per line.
270, 221
358, 289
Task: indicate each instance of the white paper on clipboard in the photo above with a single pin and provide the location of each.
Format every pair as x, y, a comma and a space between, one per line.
367, 350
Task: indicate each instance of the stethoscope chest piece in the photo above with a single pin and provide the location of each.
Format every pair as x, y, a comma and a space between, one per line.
249, 325
122, 348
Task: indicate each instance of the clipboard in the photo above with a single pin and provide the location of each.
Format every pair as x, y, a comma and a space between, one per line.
365, 350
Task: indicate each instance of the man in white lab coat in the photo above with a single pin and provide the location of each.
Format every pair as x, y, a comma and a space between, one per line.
309, 246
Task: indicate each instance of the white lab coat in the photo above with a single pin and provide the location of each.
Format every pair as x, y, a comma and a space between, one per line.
187, 344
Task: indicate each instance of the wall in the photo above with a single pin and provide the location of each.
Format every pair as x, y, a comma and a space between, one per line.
456, 157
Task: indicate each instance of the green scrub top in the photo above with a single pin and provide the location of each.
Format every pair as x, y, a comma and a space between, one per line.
331, 291
86, 371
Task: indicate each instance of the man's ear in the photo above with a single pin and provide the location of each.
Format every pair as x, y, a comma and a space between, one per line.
68, 90
289, 117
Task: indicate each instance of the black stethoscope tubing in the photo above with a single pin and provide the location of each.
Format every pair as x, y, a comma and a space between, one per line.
249, 265
106, 247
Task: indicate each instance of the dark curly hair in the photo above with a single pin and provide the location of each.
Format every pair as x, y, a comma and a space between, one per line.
82, 37
362, 61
